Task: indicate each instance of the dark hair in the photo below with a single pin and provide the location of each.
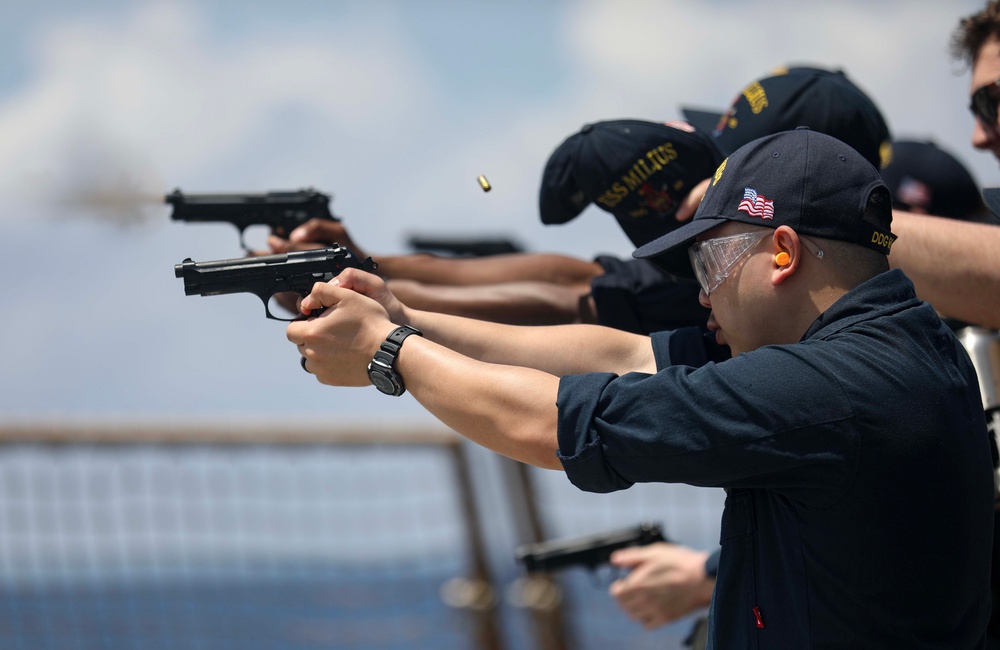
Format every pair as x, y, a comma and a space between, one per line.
973, 32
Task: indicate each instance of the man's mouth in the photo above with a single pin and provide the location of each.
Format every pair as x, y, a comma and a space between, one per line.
713, 326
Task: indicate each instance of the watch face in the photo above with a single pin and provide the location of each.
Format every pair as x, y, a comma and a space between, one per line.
383, 381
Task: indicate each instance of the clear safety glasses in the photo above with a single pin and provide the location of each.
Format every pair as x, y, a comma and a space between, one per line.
713, 260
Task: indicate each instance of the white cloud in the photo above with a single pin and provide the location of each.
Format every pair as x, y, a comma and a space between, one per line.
702, 53
155, 92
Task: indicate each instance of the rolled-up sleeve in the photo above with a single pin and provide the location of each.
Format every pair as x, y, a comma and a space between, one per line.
718, 425
580, 397
579, 446
691, 346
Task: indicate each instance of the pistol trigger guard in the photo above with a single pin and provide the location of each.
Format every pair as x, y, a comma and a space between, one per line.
615, 574
266, 299
602, 577
243, 241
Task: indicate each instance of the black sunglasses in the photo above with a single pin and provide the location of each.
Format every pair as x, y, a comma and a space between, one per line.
984, 103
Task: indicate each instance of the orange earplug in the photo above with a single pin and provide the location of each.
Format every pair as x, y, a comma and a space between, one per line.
782, 259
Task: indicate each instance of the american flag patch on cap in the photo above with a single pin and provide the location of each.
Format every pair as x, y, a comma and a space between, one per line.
756, 205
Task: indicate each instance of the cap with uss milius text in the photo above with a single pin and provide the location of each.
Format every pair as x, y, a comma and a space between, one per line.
826, 101
807, 180
638, 171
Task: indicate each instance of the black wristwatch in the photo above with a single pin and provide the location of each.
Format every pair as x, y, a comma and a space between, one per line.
382, 370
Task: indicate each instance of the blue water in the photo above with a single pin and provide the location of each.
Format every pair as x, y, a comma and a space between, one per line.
296, 548
330, 610
357, 608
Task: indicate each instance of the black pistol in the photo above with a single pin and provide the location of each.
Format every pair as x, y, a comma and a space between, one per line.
268, 275
590, 551
283, 212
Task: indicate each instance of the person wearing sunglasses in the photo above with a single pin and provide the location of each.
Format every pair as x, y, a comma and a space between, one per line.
984, 108
840, 414
954, 265
977, 42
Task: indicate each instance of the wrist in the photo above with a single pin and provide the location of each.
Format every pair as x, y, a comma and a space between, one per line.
407, 316
382, 368
378, 336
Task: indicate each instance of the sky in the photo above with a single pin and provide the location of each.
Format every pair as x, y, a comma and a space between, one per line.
395, 109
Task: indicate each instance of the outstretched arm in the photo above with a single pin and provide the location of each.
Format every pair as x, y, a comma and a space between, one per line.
953, 265
508, 409
550, 268
514, 303
433, 269
557, 349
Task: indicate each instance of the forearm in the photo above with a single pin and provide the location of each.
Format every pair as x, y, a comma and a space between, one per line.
514, 303
493, 269
557, 349
435, 269
952, 265
507, 409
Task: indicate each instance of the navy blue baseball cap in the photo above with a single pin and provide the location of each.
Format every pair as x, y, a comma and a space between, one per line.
926, 179
637, 170
807, 180
823, 100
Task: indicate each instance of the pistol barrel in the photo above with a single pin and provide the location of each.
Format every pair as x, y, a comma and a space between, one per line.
282, 211
267, 275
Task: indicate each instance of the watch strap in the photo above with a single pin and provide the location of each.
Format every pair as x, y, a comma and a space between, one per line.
385, 356
399, 334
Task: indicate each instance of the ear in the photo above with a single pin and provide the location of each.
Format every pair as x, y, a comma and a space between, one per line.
786, 251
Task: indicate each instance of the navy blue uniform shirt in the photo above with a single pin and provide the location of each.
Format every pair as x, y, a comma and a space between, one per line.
859, 508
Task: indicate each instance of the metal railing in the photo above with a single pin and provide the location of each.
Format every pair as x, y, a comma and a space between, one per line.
265, 534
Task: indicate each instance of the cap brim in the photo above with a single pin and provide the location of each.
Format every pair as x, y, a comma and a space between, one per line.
991, 197
552, 213
669, 252
703, 120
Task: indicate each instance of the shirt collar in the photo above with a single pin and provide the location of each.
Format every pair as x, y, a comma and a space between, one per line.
884, 294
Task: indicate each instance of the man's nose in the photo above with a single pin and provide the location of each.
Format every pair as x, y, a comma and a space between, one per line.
984, 136
704, 300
